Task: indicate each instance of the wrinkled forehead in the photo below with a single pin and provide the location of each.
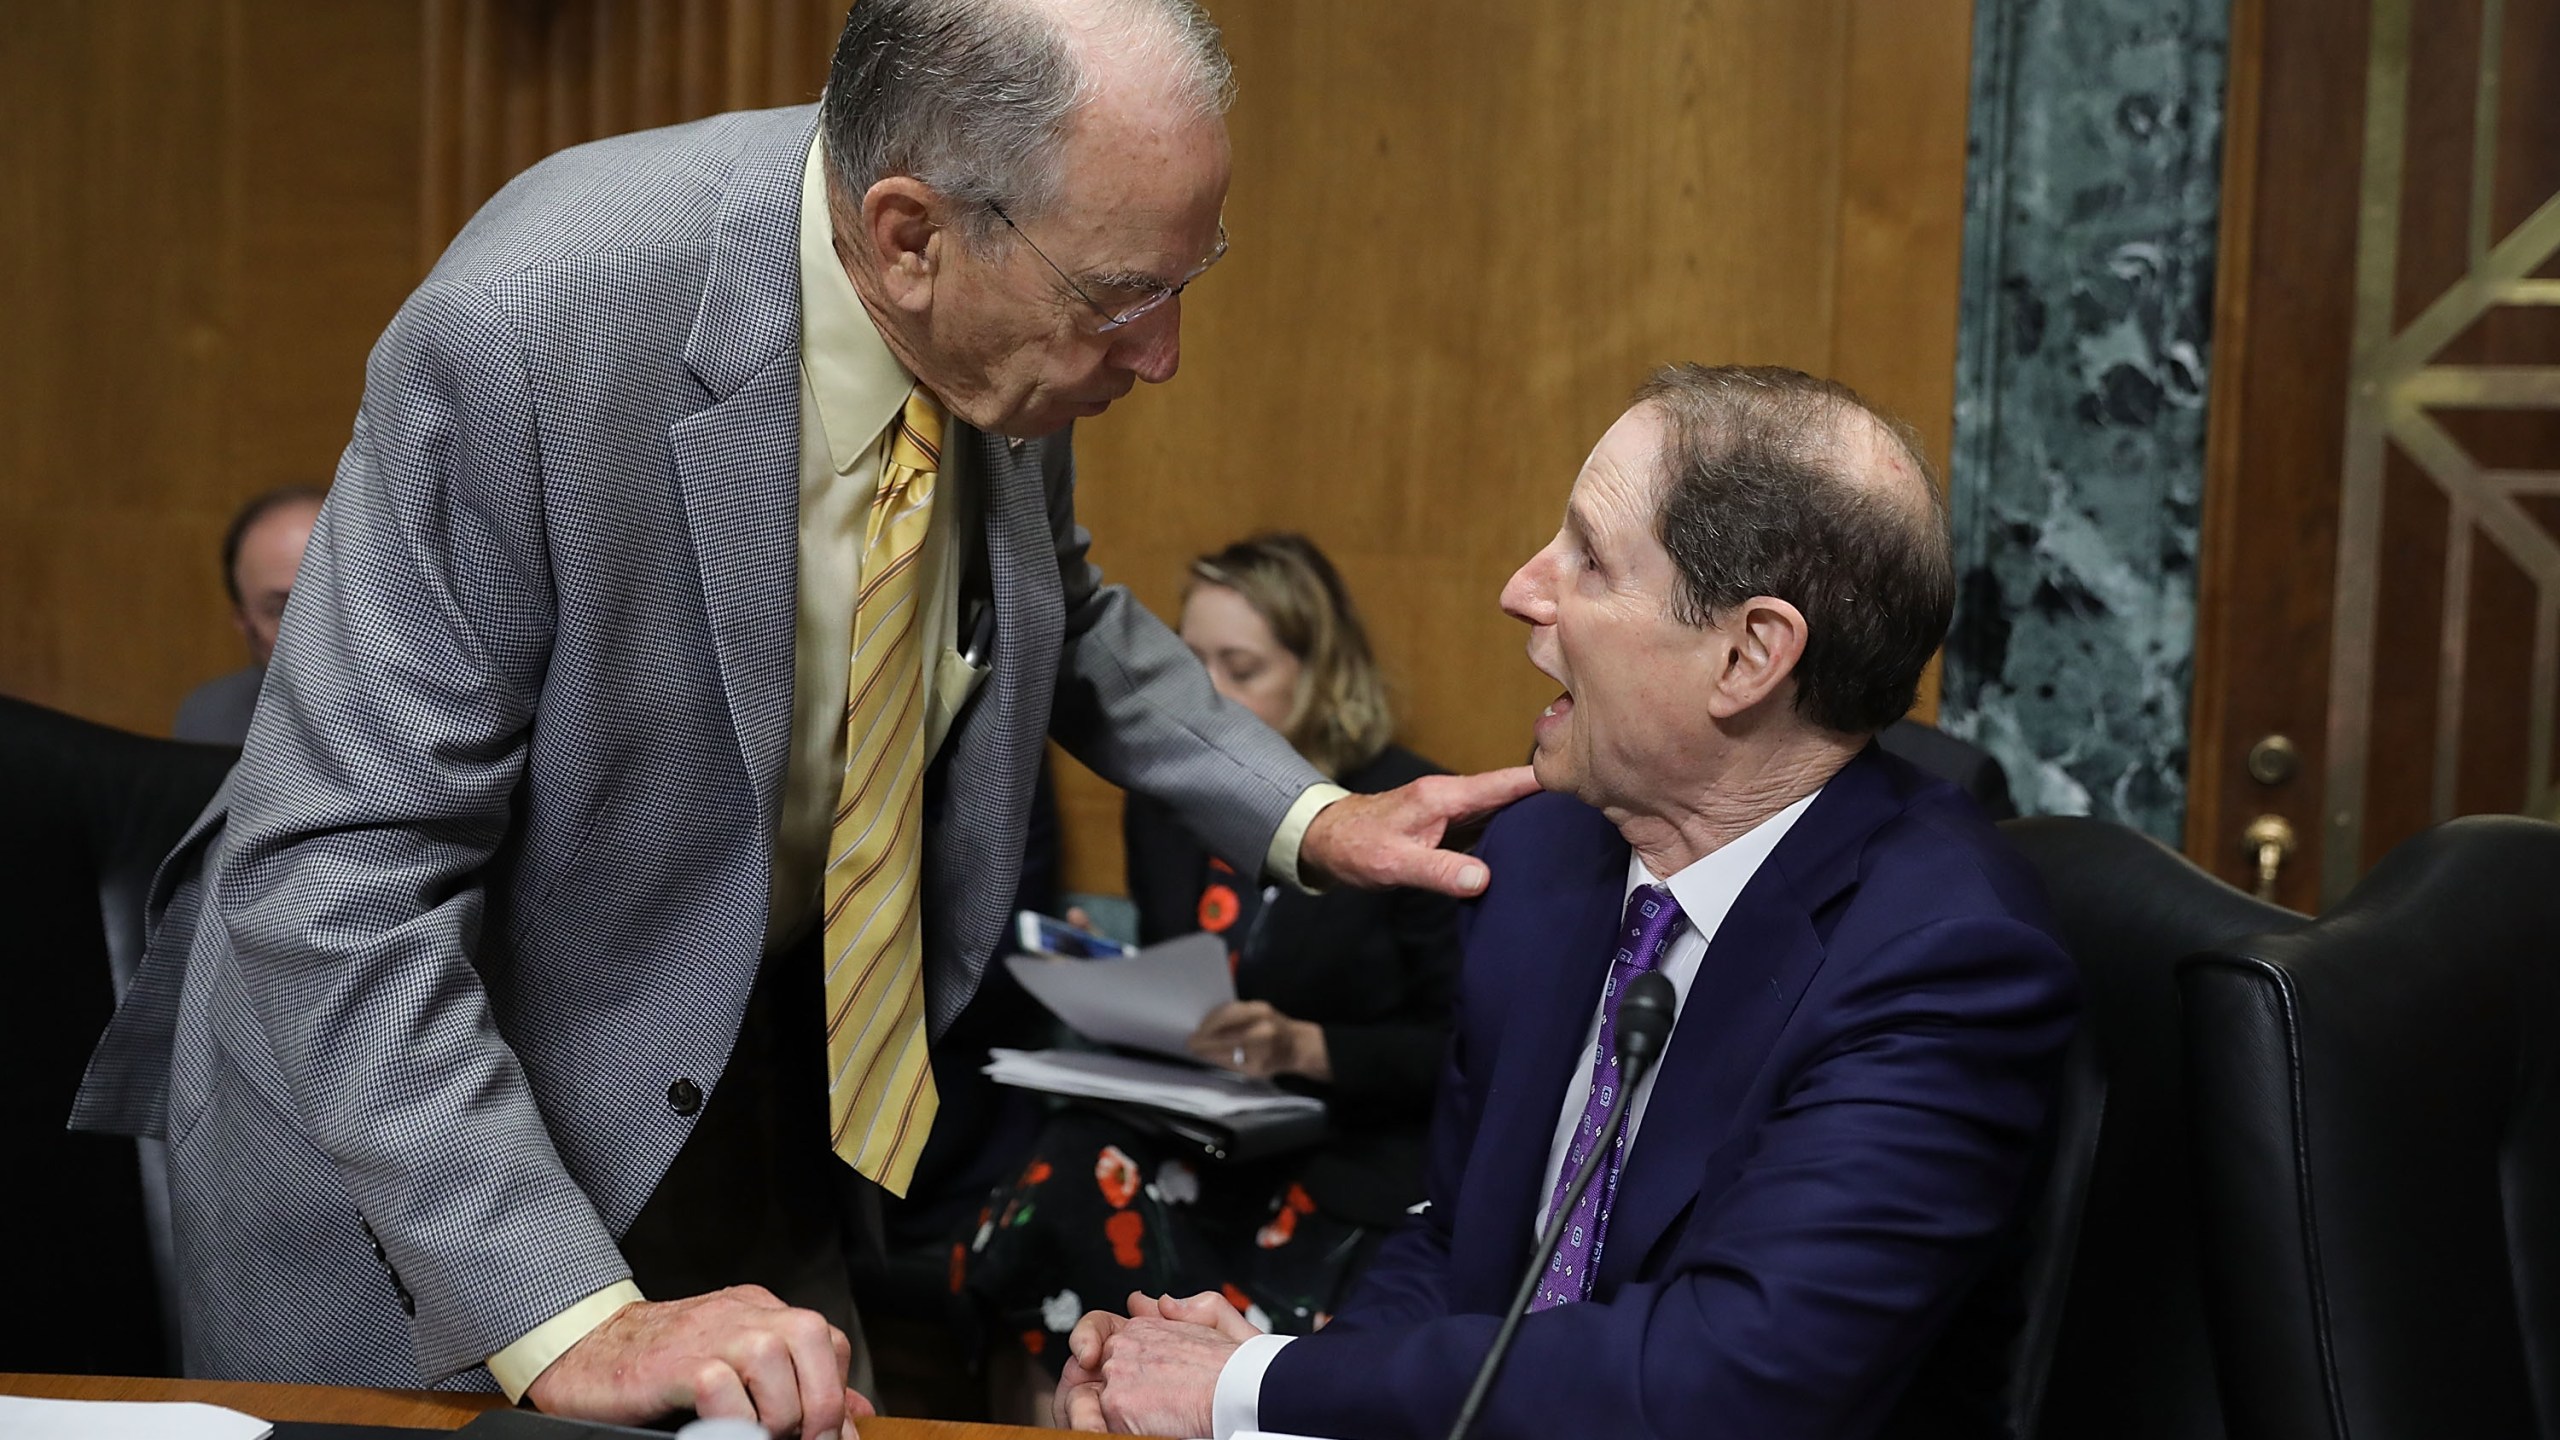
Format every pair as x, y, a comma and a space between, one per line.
1142, 155
1624, 471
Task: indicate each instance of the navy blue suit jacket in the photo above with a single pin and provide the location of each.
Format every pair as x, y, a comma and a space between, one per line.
1838, 1148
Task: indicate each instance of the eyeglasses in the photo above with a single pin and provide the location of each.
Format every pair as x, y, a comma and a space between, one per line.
1131, 313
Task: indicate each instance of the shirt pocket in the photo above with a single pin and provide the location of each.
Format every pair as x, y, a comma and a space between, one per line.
956, 679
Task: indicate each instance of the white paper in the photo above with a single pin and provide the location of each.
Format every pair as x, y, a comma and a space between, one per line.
22, 1416
1184, 1089
1152, 1000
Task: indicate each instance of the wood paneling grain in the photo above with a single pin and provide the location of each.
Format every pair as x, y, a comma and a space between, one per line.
509, 82
1901, 228
1462, 234
212, 205
1464, 230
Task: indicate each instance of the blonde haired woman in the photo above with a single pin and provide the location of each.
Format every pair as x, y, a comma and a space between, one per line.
1345, 995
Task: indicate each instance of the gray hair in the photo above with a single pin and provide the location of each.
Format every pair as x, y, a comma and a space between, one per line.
974, 97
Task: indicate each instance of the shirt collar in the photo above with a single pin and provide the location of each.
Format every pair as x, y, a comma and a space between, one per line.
1707, 886
857, 384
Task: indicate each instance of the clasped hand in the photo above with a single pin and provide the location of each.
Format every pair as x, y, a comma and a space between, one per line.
1153, 1371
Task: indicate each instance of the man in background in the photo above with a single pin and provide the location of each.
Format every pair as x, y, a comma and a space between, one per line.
260, 553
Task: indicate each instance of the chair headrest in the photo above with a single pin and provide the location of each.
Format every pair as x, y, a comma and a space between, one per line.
2125, 900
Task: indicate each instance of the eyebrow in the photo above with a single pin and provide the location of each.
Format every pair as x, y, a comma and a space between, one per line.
1574, 526
1141, 280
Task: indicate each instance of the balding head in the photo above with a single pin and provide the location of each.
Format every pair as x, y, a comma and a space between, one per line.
977, 98
1780, 484
261, 553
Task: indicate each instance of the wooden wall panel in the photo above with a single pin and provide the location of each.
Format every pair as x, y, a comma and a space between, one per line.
1463, 232
1901, 218
210, 220
1464, 229
507, 82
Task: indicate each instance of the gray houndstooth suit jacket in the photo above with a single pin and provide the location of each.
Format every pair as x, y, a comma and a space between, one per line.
492, 874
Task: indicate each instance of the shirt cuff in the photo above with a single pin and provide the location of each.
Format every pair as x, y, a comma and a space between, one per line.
1282, 860
1236, 1409
520, 1364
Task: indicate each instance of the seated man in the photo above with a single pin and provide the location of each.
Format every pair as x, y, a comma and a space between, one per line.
1839, 1143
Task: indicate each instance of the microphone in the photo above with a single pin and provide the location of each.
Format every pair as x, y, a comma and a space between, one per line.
1645, 1013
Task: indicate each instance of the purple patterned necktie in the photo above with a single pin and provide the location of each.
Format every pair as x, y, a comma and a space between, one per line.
1653, 919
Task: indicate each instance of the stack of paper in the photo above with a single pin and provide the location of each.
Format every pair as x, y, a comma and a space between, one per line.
1152, 1000
1183, 1089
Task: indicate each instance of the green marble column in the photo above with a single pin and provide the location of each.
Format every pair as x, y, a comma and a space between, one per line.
2093, 188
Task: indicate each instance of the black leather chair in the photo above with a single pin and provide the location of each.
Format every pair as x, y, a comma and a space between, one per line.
86, 813
2115, 1345
1970, 766
2376, 1101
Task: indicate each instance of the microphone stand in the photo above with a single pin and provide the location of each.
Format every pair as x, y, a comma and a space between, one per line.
1644, 1022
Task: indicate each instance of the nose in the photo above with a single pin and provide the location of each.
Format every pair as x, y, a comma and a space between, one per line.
1151, 349
1526, 596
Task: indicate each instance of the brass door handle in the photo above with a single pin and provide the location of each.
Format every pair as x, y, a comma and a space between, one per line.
2269, 839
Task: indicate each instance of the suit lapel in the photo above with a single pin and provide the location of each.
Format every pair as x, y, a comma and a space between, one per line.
1556, 946
1755, 972
737, 462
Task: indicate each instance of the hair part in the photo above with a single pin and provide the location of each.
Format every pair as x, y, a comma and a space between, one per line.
976, 97
260, 506
1341, 716
1762, 495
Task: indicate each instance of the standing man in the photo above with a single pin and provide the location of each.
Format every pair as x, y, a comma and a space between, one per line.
1807, 1224
645, 762
260, 553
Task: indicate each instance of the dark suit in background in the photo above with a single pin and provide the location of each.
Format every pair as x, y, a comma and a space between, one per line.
217, 712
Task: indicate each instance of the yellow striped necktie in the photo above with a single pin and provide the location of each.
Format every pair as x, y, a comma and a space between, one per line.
880, 1096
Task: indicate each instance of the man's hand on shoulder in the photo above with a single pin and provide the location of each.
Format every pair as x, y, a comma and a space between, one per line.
737, 1353
1393, 838
1154, 1372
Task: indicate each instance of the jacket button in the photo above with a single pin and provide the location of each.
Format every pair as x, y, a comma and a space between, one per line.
684, 1097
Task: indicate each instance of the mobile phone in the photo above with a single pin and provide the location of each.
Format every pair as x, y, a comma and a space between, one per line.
1040, 934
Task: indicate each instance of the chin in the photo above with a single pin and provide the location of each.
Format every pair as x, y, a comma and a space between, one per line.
1036, 425
1550, 769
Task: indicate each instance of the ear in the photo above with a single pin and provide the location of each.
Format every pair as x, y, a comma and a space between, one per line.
1761, 640
898, 236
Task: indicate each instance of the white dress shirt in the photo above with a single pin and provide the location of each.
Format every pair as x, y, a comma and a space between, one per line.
1706, 889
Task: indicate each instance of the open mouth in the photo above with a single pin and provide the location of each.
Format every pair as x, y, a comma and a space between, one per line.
1555, 713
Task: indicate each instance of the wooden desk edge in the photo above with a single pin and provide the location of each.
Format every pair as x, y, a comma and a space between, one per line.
317, 1404
416, 1409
